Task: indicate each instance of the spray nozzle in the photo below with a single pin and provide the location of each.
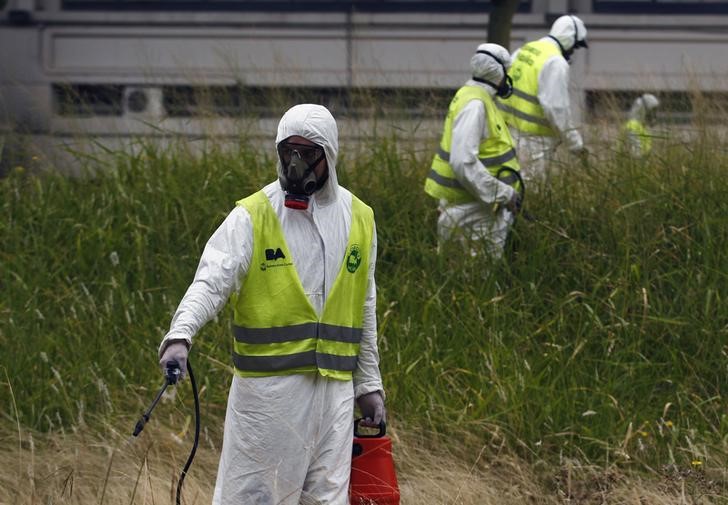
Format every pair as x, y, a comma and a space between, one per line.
172, 372
140, 425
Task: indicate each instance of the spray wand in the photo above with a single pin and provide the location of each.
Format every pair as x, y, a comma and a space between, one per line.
171, 376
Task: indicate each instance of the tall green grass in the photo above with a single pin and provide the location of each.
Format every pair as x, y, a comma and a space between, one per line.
600, 337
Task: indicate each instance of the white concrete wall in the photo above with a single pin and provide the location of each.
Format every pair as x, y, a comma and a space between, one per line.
328, 50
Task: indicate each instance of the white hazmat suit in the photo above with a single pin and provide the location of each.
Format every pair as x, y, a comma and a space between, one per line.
637, 137
535, 152
476, 221
287, 439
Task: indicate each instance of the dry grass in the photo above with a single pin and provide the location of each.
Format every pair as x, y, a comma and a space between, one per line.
105, 468
86, 468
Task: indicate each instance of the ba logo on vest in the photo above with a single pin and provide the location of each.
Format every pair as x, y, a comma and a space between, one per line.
271, 259
353, 260
271, 255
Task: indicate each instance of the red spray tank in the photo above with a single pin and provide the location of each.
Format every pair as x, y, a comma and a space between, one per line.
373, 479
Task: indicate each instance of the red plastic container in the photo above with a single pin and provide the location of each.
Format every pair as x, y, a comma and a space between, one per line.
373, 479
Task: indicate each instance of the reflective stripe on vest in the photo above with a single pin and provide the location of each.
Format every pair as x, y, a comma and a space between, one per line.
276, 329
493, 160
291, 363
493, 152
297, 332
510, 179
522, 109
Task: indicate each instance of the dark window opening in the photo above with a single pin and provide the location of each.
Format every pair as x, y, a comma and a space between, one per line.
661, 6
185, 101
407, 6
268, 102
88, 99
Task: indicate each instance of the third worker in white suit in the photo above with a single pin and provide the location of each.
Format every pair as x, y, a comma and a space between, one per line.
636, 136
539, 110
297, 258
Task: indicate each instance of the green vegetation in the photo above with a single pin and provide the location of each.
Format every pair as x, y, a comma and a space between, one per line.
602, 338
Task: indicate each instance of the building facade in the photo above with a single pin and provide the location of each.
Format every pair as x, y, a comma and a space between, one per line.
123, 67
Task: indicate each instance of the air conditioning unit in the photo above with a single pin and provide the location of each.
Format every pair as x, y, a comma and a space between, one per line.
143, 101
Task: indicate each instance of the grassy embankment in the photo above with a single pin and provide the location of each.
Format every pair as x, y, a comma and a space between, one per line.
600, 345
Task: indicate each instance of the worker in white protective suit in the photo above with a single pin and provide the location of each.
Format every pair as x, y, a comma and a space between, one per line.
472, 174
539, 111
636, 136
298, 258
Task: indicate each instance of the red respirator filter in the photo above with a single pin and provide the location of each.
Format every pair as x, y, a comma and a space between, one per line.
298, 202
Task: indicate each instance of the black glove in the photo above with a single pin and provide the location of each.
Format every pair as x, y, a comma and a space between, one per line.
514, 204
372, 408
176, 351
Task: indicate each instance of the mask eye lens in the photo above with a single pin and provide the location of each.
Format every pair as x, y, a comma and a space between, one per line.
285, 153
309, 154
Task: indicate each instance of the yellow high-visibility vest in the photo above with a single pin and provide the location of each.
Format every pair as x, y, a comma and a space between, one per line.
276, 329
494, 152
522, 109
634, 126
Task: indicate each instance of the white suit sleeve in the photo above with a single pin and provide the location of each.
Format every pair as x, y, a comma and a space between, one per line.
469, 130
553, 93
367, 377
222, 265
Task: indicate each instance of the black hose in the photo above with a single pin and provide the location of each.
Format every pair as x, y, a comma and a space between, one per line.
514, 173
197, 434
522, 192
172, 374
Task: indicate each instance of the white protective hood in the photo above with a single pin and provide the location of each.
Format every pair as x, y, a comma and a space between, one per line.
568, 30
642, 105
315, 123
490, 68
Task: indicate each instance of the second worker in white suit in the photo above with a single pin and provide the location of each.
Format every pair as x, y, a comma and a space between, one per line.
475, 205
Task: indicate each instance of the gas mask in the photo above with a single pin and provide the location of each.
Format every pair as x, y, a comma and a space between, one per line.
297, 176
568, 54
505, 88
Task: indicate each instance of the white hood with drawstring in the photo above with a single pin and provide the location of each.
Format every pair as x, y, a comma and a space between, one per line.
642, 105
569, 31
287, 438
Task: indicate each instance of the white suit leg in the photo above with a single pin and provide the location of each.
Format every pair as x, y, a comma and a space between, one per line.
492, 230
287, 441
535, 154
474, 223
327, 482
267, 442
498, 232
